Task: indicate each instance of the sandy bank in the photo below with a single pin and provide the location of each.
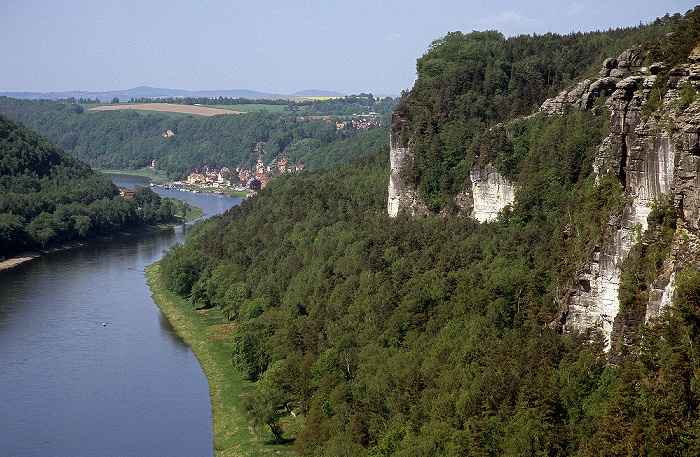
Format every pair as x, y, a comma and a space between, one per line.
14, 261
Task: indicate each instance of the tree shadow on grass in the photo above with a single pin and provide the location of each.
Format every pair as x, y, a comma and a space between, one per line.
282, 442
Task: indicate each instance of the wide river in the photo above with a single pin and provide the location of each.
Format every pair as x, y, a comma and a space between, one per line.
71, 386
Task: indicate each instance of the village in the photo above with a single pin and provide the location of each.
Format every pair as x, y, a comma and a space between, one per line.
208, 179
250, 181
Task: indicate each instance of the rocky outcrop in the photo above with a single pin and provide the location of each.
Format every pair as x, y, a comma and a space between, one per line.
403, 196
583, 94
487, 195
491, 192
652, 156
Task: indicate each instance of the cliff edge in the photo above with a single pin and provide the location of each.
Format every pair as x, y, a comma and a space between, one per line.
654, 153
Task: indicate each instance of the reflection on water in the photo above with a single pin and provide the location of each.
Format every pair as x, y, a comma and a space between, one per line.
71, 386
168, 328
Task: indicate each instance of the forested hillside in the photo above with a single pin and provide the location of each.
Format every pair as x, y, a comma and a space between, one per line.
468, 83
434, 335
128, 139
48, 198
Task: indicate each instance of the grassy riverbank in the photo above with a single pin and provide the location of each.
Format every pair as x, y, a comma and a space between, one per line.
208, 334
157, 176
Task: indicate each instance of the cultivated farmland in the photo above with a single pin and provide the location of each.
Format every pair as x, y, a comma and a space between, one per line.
169, 108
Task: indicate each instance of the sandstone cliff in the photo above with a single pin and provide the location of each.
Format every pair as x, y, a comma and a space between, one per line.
490, 192
403, 196
654, 155
486, 192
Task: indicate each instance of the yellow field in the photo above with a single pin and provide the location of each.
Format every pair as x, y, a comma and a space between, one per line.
169, 108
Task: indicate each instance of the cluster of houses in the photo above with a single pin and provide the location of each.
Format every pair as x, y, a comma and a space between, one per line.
281, 166
242, 179
261, 174
364, 122
210, 178
358, 123
259, 177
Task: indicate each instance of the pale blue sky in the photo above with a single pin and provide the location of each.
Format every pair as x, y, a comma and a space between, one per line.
272, 46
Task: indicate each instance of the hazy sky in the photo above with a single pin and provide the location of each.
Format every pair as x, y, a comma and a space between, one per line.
270, 46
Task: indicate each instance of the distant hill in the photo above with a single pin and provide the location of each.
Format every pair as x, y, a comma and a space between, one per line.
155, 92
318, 93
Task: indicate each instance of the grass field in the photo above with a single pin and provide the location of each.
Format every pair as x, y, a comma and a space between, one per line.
157, 176
208, 332
180, 109
176, 109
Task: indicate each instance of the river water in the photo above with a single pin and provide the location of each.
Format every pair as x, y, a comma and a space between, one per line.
71, 386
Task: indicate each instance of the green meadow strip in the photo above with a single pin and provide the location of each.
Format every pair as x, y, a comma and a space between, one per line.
157, 176
208, 333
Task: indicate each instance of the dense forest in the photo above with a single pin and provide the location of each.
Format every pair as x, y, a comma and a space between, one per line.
48, 198
432, 336
130, 140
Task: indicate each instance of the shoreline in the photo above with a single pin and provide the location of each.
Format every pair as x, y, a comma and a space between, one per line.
163, 183
19, 259
207, 333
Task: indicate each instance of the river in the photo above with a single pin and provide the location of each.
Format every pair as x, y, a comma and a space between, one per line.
88, 363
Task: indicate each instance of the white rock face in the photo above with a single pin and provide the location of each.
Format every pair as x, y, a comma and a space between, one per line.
594, 302
402, 196
649, 174
396, 157
491, 193
652, 156
660, 296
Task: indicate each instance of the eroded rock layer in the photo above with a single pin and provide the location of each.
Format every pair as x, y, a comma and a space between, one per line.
654, 156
